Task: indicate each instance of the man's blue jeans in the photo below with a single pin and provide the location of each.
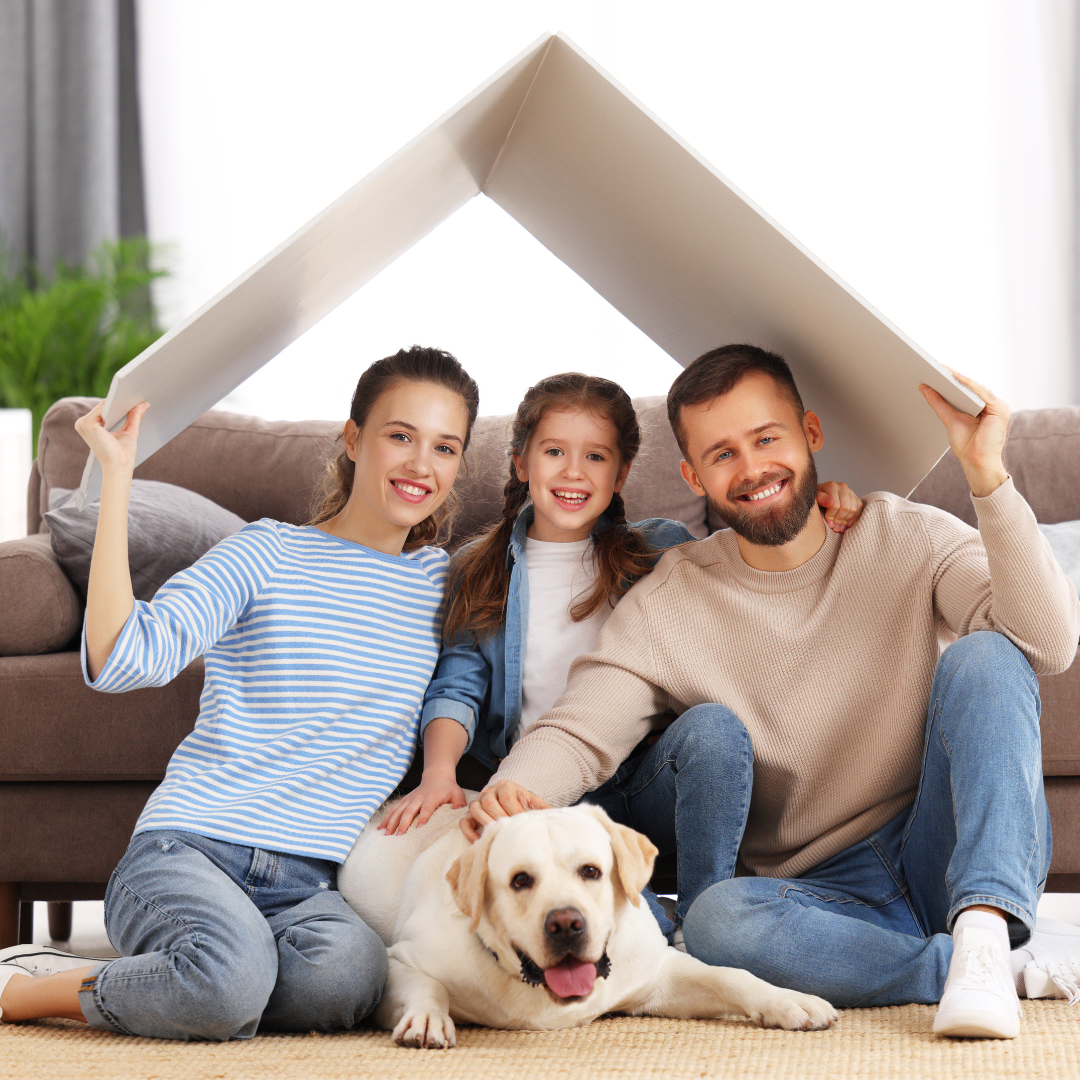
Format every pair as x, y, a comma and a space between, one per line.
668, 791
870, 926
217, 940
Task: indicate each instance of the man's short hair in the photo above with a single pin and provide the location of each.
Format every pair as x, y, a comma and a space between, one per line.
716, 373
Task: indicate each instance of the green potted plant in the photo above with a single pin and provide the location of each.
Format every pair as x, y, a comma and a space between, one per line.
66, 334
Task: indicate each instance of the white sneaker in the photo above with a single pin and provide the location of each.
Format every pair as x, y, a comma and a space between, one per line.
980, 999
39, 960
677, 940
1053, 968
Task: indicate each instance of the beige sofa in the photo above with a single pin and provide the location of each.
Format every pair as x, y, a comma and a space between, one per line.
76, 766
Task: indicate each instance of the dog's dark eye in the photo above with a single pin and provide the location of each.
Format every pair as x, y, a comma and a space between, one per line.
520, 881
592, 872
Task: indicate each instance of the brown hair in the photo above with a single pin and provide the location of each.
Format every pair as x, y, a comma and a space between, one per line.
416, 364
716, 372
480, 577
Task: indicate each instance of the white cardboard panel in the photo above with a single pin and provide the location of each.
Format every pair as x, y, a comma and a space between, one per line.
694, 264
208, 355
622, 201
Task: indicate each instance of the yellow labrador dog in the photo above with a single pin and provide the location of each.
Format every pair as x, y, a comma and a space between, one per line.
539, 924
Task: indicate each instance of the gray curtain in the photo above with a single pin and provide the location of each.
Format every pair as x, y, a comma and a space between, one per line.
70, 160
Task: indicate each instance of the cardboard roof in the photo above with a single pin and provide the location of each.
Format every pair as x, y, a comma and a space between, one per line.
623, 202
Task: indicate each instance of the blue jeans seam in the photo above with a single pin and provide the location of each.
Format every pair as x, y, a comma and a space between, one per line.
150, 905
790, 887
897, 877
637, 789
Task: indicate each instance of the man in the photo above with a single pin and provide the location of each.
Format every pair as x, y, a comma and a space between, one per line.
887, 805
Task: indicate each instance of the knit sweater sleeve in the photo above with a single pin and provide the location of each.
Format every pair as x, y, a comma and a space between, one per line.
1005, 578
610, 700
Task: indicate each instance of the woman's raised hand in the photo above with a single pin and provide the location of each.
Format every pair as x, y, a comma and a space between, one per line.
115, 450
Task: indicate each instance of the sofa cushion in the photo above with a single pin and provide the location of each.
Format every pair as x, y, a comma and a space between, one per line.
66, 832
1043, 456
56, 728
40, 612
255, 468
655, 487
1064, 540
169, 528
275, 468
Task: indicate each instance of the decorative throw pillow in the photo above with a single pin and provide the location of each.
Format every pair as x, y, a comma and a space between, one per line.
1064, 539
169, 527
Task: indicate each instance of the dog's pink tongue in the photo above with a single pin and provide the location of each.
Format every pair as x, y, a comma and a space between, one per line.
571, 978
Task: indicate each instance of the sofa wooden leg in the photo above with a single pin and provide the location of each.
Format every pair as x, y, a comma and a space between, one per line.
26, 922
60, 920
9, 914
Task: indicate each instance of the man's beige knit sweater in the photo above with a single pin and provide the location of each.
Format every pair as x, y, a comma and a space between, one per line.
829, 665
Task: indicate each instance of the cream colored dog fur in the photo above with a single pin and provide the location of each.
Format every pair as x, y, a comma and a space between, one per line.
541, 925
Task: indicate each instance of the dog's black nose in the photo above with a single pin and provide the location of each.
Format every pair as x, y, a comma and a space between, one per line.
567, 923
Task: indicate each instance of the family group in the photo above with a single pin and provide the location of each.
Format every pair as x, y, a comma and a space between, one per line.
828, 710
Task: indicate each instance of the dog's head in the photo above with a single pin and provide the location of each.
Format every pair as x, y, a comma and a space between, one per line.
545, 889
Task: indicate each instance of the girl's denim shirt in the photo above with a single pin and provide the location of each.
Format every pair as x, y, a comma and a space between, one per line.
478, 684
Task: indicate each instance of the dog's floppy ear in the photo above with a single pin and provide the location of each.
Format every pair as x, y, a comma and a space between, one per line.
634, 854
468, 878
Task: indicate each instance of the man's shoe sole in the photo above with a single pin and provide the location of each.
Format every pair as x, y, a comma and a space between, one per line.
977, 1024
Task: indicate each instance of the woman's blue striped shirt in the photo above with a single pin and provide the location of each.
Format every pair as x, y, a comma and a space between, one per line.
318, 651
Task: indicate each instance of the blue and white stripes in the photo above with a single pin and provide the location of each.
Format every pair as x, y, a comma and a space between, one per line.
318, 652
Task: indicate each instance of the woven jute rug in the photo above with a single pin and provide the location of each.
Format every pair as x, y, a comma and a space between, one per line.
872, 1043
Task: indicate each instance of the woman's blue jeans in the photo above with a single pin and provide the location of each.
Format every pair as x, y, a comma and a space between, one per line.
218, 940
870, 926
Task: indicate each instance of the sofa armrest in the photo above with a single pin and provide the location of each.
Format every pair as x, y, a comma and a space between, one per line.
41, 611
33, 500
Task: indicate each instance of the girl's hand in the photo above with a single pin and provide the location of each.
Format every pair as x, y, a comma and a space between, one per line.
115, 450
842, 506
420, 804
503, 799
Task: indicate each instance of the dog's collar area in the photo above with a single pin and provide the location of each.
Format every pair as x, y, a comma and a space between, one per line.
494, 954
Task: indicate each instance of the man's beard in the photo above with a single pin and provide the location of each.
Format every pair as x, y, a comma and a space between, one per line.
772, 528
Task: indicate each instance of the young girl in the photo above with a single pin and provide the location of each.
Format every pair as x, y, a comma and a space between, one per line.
532, 593
319, 643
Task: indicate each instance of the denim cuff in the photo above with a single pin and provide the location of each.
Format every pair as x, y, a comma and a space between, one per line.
1025, 917
96, 1014
455, 710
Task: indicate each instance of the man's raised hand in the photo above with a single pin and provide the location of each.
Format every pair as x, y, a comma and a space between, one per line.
977, 441
503, 799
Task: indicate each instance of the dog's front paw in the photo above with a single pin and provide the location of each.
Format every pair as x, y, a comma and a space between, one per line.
796, 1012
425, 1030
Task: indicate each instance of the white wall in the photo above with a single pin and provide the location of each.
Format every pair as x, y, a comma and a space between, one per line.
15, 460
888, 138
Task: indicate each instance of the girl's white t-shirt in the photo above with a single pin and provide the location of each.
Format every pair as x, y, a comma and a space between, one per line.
559, 576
